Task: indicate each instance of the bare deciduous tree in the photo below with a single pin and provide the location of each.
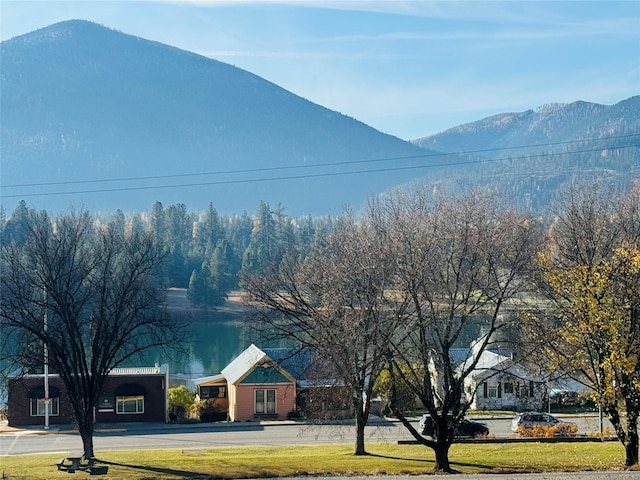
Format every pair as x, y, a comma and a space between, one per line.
101, 294
336, 302
461, 260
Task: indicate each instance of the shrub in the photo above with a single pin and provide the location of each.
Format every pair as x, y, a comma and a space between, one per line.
209, 411
541, 431
565, 429
294, 415
180, 403
178, 414
606, 433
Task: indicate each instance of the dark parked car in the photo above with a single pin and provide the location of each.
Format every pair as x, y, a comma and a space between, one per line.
531, 419
466, 428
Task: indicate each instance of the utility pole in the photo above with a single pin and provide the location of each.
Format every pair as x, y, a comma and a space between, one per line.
47, 400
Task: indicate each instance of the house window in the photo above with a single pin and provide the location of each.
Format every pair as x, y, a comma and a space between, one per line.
38, 407
213, 392
491, 391
508, 387
127, 405
523, 390
265, 401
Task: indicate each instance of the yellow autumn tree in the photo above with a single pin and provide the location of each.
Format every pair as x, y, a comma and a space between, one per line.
591, 273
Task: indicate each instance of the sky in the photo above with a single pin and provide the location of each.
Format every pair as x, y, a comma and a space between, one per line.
407, 68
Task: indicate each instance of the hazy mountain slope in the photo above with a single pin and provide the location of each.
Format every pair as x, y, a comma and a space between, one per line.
529, 156
83, 102
80, 102
552, 123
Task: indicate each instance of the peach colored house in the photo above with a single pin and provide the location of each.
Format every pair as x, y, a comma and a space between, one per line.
251, 387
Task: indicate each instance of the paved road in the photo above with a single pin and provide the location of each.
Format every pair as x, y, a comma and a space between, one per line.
198, 436
144, 436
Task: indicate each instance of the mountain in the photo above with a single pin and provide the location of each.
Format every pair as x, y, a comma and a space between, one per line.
545, 126
92, 117
97, 118
529, 156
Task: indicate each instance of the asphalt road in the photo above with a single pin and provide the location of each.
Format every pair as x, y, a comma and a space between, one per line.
200, 436
144, 436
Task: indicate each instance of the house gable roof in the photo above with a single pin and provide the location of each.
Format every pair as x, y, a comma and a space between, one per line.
490, 363
295, 362
243, 364
266, 373
206, 381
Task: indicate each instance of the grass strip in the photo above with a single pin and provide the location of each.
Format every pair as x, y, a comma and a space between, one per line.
262, 462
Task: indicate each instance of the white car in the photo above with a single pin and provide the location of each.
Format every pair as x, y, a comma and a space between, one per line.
531, 419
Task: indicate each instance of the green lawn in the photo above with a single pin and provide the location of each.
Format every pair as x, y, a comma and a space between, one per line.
326, 459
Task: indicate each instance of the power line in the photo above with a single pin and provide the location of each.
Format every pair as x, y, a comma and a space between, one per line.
319, 175
326, 164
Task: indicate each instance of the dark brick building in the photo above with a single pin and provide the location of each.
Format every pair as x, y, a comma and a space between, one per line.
129, 395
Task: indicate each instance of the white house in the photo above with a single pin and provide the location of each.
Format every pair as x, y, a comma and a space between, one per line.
499, 383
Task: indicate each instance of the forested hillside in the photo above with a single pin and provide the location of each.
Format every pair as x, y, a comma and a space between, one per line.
529, 156
205, 250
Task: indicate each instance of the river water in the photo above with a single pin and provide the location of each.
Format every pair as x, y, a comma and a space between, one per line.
215, 337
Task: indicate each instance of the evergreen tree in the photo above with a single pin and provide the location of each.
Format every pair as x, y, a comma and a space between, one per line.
156, 223
16, 226
135, 225
225, 266
238, 233
197, 292
263, 252
305, 234
285, 235
209, 229
178, 236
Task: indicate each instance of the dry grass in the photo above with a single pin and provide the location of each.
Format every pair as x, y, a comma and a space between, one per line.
260, 462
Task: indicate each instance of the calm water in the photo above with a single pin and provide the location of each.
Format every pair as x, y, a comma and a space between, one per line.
215, 338
211, 346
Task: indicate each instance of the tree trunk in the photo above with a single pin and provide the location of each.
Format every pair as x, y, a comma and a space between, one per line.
441, 451
628, 437
85, 428
631, 450
360, 424
631, 441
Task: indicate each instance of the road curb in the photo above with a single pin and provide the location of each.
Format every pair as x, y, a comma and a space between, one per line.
522, 440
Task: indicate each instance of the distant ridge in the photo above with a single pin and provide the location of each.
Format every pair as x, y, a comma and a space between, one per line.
531, 156
550, 123
101, 104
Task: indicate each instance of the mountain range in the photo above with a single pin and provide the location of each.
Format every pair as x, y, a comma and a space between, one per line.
96, 118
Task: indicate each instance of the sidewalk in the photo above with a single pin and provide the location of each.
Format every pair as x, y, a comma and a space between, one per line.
130, 427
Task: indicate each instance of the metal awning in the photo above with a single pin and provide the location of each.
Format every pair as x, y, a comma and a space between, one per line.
38, 392
130, 390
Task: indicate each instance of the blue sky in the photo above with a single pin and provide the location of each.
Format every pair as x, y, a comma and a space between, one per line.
408, 68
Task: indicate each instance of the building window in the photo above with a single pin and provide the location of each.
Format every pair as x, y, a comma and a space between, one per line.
38, 406
508, 387
265, 401
128, 405
213, 392
491, 391
524, 390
